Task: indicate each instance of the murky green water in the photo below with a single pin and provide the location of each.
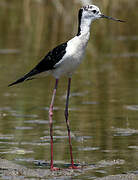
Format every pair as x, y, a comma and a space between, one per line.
104, 94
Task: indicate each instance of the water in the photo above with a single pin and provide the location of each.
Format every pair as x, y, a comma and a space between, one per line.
103, 107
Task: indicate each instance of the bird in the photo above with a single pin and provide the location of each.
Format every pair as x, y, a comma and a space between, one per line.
64, 60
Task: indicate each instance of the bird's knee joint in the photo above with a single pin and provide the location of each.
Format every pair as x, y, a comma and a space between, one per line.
50, 113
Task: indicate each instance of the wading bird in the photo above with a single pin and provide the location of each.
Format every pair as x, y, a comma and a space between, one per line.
63, 60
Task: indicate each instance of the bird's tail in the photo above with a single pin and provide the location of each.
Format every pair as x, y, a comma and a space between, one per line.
26, 77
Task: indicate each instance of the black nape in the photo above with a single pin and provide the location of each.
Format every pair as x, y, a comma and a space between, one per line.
79, 19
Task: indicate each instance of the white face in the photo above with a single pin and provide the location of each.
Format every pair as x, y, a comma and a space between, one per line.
92, 11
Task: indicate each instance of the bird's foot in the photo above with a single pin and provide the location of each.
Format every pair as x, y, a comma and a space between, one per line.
54, 169
73, 166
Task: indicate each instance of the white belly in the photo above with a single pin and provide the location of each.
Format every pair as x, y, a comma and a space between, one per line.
74, 55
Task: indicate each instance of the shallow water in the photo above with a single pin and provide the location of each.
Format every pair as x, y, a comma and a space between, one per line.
103, 109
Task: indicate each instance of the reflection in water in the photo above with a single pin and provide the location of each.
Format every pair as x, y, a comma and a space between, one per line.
104, 100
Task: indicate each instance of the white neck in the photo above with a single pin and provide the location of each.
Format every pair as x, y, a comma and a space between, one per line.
85, 26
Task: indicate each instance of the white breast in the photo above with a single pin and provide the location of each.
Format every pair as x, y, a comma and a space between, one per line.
74, 55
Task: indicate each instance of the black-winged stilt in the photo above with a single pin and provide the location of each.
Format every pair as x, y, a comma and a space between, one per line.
63, 60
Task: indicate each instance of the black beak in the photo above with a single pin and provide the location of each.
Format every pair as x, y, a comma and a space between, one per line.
111, 18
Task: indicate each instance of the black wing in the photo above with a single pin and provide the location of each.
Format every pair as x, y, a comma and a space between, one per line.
47, 63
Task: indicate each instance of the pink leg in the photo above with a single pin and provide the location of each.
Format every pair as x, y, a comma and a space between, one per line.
67, 123
51, 126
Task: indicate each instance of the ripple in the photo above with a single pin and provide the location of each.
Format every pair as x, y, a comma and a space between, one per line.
76, 94
37, 121
133, 147
124, 132
7, 137
88, 149
5, 108
23, 128
132, 107
16, 151
10, 143
20, 151
54, 108
54, 137
59, 132
101, 171
24, 159
105, 163
134, 172
14, 113
9, 51
90, 102
109, 151
35, 143
80, 94
82, 138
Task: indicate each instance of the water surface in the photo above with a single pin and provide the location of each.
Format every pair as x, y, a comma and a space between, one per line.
103, 108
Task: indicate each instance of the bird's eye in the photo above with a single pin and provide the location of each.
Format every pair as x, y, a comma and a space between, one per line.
94, 11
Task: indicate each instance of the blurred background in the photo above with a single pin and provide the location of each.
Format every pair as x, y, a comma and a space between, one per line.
104, 92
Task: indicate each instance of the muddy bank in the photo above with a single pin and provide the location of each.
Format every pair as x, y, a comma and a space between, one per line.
9, 170
120, 177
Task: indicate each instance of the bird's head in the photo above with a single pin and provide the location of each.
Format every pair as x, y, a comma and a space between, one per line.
93, 12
